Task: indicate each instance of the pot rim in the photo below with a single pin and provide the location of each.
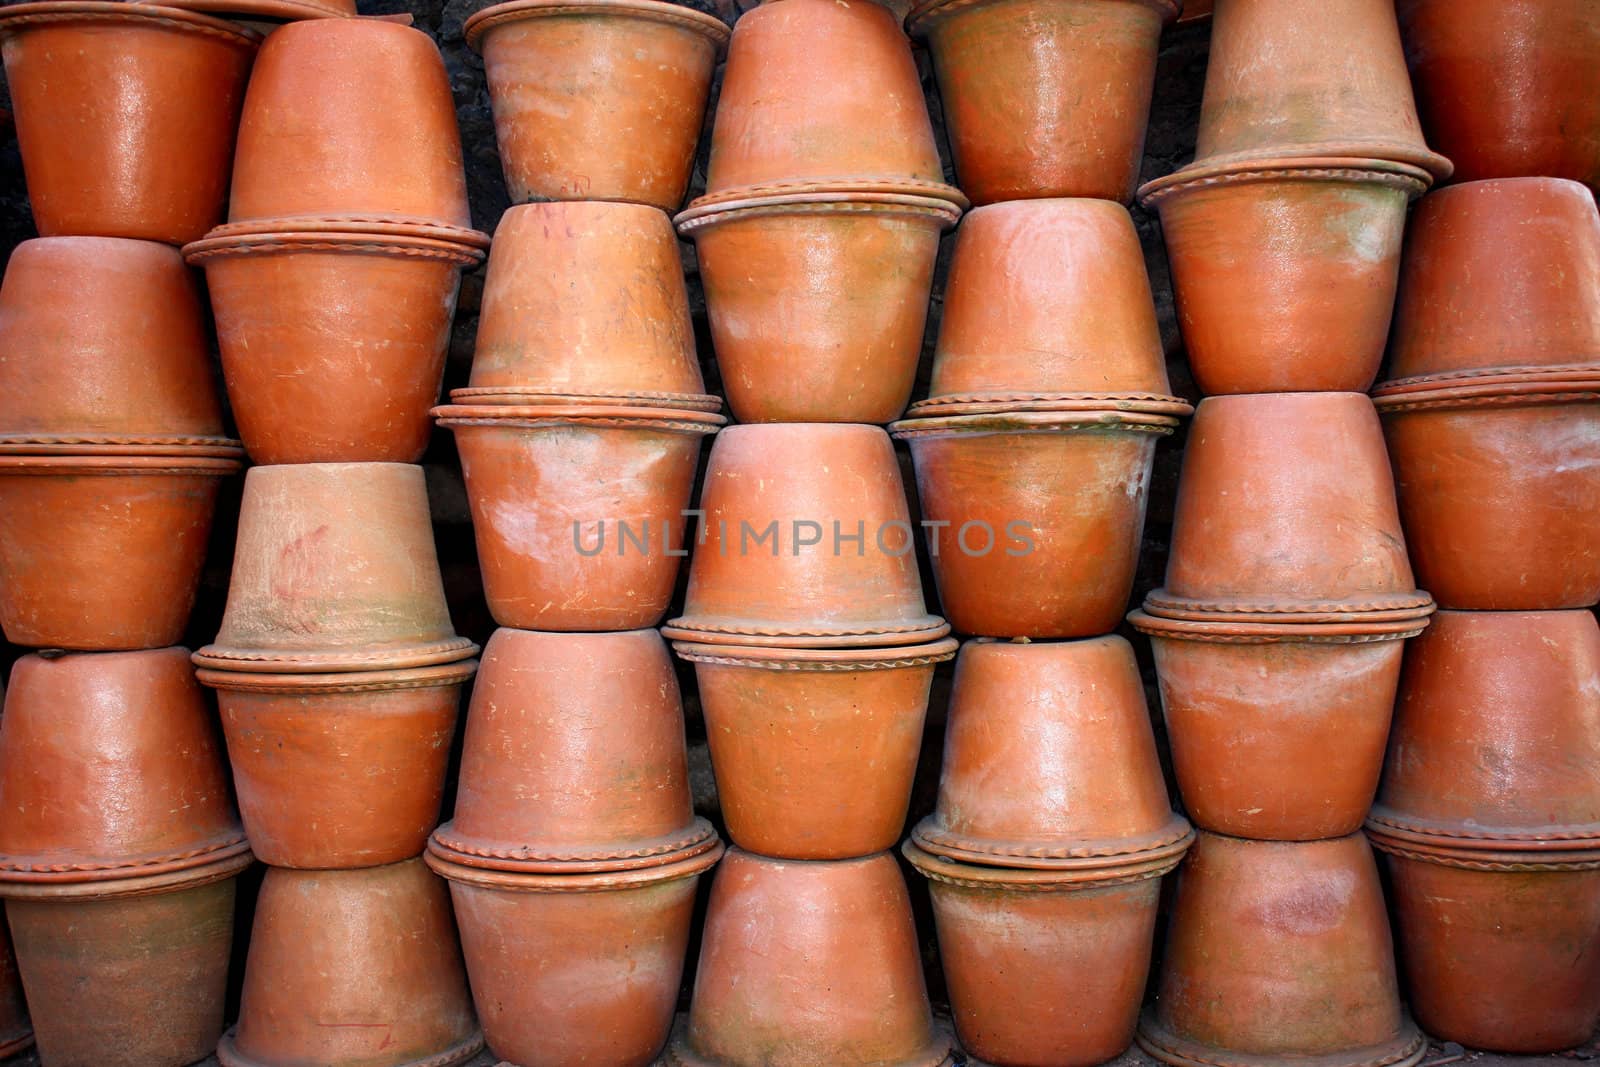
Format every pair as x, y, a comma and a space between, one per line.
1349, 164
37, 870
942, 869
347, 224
824, 198
924, 14
826, 660
1393, 607
79, 464
20, 17
1405, 1050
1492, 387
708, 26
349, 241
1109, 856
441, 676
539, 416
529, 396
228, 1053
289, 10
1484, 861
89, 444
1000, 403
1024, 422
135, 883
1228, 632
274, 661
1468, 838
750, 634
696, 838
592, 882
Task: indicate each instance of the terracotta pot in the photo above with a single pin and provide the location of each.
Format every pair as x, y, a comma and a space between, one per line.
574, 757
1050, 761
340, 770
155, 166
1274, 88
103, 552
333, 343
815, 751
1044, 966
16, 1031
1279, 952
105, 340
1013, 555
357, 967
576, 969
127, 973
600, 99
349, 117
778, 561
1045, 97
335, 570
1315, 242
1047, 300
808, 963
1508, 87
1500, 274
818, 301
586, 300
1498, 476
579, 509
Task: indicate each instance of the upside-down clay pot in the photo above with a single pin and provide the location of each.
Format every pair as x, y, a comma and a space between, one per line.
1317, 245
809, 963
1279, 953
1045, 97
1508, 87
16, 1031
576, 969
585, 300
578, 510
574, 757
155, 165
334, 570
806, 541
599, 99
103, 552
354, 966
333, 342
1274, 87
815, 751
342, 769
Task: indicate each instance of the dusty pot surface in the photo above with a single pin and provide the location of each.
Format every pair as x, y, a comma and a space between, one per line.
1279, 951
103, 552
1274, 87
335, 570
598, 99
104, 340
16, 1031
815, 751
571, 970
1043, 966
809, 963
574, 757
340, 770
1045, 97
1508, 87
1317, 245
818, 301
1050, 761
358, 967
349, 117
156, 163
292, 308
578, 510
1500, 274
778, 558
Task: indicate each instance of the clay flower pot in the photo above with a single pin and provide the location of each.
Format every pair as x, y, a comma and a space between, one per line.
599, 99
618, 937
808, 963
16, 1031
155, 166
344, 769
353, 967
1315, 242
333, 340
1275, 89
334, 570
806, 542
1050, 762
1045, 97
1479, 66
103, 552
815, 751
1279, 952
578, 509
585, 300
574, 757
1044, 966
105, 342
818, 301
349, 118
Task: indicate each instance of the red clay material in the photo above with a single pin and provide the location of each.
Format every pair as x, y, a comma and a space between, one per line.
16, 1031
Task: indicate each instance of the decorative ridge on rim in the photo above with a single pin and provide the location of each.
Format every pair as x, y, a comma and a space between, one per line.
276, 661
693, 219
968, 875
821, 660
274, 9
87, 461
133, 882
519, 881
1068, 421
845, 186
90, 444
1412, 154
1530, 388
929, 10
1385, 822
1407, 1048
528, 396
1514, 374
1325, 168
228, 1053
994, 403
516, 10
1231, 632
746, 634
403, 678
354, 225
683, 420
1395, 607
699, 836
458, 253
1504, 861
1172, 839
20, 15
23, 869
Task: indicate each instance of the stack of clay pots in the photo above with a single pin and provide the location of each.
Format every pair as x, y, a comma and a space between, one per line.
1289, 593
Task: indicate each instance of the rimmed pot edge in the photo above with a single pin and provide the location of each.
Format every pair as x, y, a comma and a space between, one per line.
311, 662
1394, 607
40, 870
1236, 632
134, 884
481, 22
1350, 168
19, 17
748, 634
823, 660
698, 837
529, 396
588, 882
1171, 840
441, 676
924, 14
453, 416
944, 211
1049, 421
